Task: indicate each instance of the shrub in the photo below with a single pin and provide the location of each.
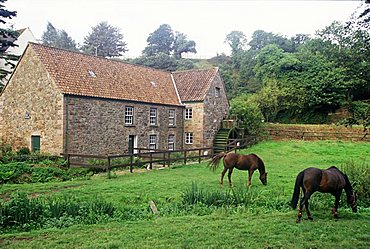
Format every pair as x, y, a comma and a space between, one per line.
359, 176
248, 114
23, 213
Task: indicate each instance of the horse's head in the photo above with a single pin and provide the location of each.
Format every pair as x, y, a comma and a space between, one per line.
263, 178
351, 200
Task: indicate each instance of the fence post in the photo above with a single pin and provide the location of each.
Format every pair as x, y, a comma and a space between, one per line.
185, 157
131, 161
164, 159
151, 159
200, 154
169, 158
108, 169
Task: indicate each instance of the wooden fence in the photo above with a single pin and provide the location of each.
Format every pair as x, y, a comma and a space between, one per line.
144, 156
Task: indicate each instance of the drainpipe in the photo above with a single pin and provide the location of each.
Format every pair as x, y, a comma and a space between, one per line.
66, 122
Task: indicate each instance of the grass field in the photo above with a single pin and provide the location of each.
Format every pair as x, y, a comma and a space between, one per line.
268, 222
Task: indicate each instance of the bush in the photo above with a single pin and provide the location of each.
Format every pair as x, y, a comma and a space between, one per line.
359, 176
23, 213
248, 113
22, 172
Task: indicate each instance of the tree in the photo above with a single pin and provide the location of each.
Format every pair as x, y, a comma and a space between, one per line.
182, 45
104, 40
159, 61
236, 40
261, 39
164, 40
160, 41
7, 38
58, 38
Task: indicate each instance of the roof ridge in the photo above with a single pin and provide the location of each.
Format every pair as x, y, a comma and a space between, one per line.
99, 57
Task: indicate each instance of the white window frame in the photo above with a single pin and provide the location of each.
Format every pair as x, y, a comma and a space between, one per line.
152, 142
153, 116
171, 117
171, 142
188, 113
129, 115
189, 137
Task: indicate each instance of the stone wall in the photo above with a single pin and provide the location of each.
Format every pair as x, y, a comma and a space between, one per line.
96, 126
316, 132
195, 125
31, 91
207, 115
216, 110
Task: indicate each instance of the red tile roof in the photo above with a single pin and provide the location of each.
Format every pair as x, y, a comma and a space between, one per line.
80, 74
192, 85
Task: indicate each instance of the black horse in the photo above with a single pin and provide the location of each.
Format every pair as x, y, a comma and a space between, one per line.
331, 180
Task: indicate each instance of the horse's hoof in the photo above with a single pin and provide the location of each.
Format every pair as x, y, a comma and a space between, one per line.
310, 217
336, 216
298, 221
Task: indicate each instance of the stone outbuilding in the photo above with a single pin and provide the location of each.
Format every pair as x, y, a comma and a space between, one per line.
59, 101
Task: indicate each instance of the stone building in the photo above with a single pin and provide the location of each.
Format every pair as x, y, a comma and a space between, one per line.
206, 105
58, 101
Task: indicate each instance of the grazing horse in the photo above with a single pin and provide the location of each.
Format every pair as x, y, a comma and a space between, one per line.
232, 160
330, 180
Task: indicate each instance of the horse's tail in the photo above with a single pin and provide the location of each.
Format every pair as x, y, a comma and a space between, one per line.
298, 184
213, 164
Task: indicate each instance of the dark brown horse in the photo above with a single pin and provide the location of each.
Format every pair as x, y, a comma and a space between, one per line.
232, 160
330, 180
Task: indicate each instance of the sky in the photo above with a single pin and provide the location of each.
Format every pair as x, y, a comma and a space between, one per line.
207, 22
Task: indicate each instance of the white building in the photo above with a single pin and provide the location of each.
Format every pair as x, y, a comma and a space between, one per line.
25, 36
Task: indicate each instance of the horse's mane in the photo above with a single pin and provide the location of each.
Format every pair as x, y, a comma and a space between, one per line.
346, 179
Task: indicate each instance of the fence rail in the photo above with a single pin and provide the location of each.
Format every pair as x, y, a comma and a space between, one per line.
148, 156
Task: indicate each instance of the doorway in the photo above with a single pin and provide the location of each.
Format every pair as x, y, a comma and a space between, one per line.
132, 143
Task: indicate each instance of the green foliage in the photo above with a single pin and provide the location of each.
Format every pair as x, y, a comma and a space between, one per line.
359, 176
58, 38
248, 114
313, 77
24, 213
104, 40
23, 172
165, 41
7, 38
360, 115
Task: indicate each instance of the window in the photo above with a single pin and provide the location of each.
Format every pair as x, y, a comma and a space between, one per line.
153, 116
217, 92
152, 142
171, 117
188, 113
171, 142
188, 138
129, 115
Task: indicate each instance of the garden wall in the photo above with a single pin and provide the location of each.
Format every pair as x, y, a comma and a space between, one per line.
317, 132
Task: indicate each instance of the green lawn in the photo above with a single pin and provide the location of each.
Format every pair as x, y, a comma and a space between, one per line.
229, 227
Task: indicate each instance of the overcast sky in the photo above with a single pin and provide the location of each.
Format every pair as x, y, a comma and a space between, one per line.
207, 22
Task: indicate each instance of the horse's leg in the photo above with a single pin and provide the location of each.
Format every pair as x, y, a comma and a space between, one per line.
304, 202
300, 209
250, 173
229, 175
336, 204
309, 216
222, 175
